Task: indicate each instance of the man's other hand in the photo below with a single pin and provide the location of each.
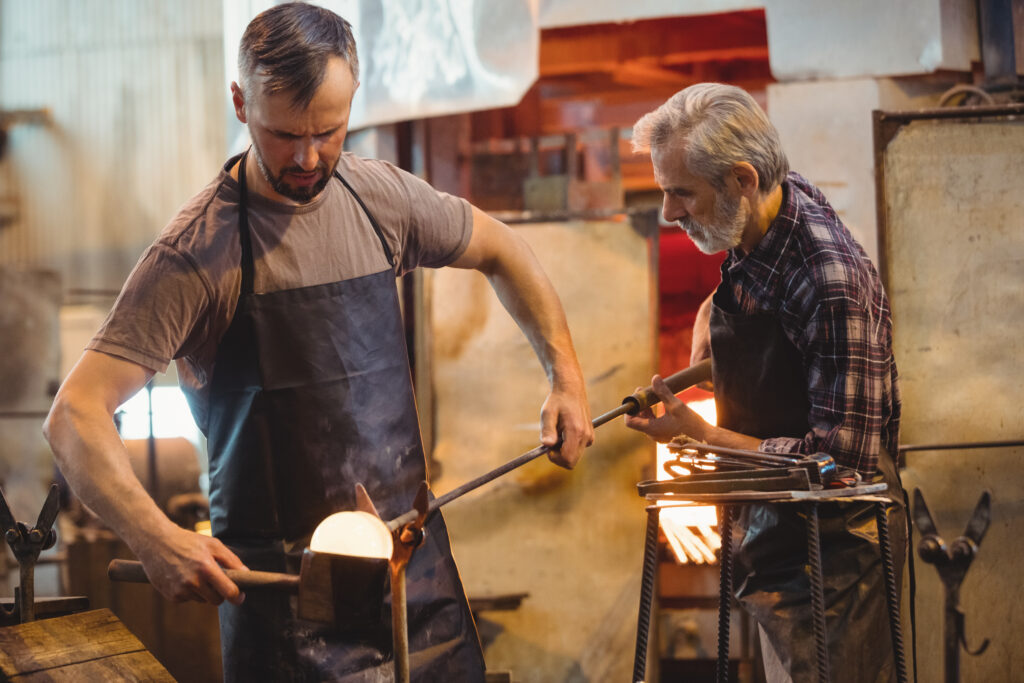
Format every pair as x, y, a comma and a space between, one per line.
677, 419
184, 565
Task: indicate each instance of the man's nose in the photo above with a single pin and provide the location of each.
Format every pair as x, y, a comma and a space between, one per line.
672, 209
307, 153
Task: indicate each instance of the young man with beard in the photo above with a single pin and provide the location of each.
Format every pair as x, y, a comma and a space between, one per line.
274, 289
800, 337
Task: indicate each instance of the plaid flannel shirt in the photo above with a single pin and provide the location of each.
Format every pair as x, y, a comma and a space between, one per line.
811, 273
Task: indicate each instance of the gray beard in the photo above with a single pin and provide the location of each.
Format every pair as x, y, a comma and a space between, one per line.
726, 230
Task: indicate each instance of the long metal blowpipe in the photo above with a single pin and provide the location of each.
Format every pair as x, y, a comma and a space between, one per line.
631, 405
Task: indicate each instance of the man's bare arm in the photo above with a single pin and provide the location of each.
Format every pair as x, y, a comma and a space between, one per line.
80, 428
525, 291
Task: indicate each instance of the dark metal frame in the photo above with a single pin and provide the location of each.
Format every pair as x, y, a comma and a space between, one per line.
727, 504
887, 124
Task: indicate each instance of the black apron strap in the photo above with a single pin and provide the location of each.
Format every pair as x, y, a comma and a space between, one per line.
373, 221
243, 230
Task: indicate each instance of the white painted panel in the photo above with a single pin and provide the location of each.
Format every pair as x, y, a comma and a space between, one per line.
825, 129
842, 39
421, 58
558, 13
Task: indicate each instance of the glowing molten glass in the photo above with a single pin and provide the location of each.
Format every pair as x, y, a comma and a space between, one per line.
356, 534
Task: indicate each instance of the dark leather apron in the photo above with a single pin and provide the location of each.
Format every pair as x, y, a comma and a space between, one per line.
761, 390
311, 393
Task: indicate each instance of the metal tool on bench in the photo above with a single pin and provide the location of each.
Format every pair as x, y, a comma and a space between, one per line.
745, 470
26, 543
322, 584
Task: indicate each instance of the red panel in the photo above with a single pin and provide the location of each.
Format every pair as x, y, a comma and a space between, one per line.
685, 278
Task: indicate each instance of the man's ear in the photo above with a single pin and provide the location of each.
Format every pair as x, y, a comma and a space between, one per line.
746, 177
239, 101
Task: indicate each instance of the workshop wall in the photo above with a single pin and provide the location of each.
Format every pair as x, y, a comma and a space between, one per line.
953, 248
572, 540
29, 302
135, 91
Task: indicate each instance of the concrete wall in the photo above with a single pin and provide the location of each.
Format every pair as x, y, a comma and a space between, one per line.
29, 302
954, 243
825, 127
572, 540
839, 62
135, 89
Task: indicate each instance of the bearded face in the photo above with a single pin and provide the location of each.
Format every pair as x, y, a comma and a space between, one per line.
294, 182
725, 229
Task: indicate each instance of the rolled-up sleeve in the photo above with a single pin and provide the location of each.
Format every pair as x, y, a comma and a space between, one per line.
847, 361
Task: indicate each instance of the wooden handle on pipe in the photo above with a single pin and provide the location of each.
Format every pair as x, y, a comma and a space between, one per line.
645, 398
132, 572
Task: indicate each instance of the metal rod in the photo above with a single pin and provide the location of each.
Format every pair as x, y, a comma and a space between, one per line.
643, 620
962, 446
631, 405
892, 598
27, 592
400, 623
817, 593
724, 596
995, 33
951, 634
749, 456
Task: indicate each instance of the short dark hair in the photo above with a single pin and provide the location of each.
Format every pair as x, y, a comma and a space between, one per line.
289, 45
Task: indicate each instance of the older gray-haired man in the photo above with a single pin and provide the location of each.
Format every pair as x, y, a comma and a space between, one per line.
799, 333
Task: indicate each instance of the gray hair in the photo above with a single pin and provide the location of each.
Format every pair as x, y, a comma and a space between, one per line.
288, 46
721, 125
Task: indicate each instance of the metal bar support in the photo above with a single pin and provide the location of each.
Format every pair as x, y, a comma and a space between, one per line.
817, 593
891, 591
643, 622
724, 595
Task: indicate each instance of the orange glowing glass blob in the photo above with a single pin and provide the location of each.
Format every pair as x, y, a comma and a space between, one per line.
352, 533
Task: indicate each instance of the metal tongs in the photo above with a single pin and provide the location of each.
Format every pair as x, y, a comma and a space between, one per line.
701, 468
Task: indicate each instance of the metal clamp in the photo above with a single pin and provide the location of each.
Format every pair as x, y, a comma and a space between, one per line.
952, 563
26, 544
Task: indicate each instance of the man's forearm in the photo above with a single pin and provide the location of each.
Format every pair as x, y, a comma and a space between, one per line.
527, 294
96, 464
531, 301
719, 436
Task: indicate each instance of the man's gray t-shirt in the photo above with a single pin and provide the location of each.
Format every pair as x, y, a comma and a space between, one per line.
180, 297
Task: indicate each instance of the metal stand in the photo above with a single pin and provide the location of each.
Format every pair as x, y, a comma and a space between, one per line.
643, 622
892, 596
724, 596
728, 503
817, 592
